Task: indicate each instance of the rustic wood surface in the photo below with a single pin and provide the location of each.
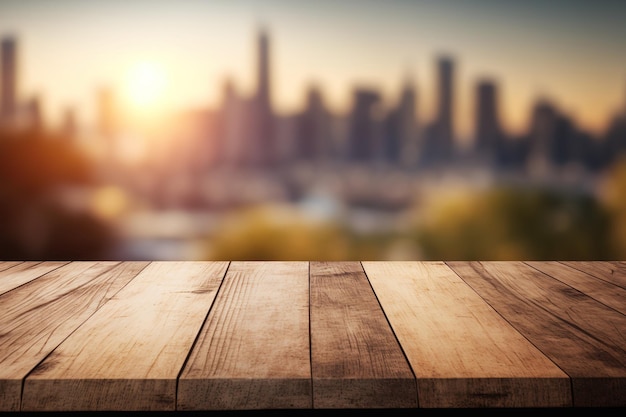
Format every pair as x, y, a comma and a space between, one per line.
38, 316
584, 337
253, 351
356, 360
130, 352
299, 335
24, 272
614, 272
605, 292
458, 345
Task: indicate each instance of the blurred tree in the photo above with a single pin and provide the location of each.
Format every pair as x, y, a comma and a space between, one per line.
613, 196
277, 233
515, 224
35, 224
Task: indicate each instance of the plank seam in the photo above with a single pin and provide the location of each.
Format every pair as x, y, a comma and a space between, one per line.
576, 289
77, 327
37, 277
406, 358
571, 382
195, 340
600, 278
10, 266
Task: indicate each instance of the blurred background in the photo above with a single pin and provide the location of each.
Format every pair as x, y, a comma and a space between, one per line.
327, 130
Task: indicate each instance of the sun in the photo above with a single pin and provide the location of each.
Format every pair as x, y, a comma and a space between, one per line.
146, 83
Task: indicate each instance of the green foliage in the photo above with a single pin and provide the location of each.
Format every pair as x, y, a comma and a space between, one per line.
515, 224
276, 233
613, 197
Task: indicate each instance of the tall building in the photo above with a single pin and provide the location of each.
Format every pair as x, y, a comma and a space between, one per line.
445, 106
8, 83
543, 127
363, 139
488, 133
231, 132
263, 147
438, 141
400, 136
313, 129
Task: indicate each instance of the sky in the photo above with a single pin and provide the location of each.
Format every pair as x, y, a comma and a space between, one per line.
569, 51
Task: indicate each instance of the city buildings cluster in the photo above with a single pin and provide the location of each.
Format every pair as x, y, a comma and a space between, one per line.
246, 132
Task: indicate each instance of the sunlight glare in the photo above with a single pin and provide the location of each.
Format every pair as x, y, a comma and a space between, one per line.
146, 84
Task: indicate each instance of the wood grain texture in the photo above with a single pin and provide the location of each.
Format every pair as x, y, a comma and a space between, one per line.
605, 292
25, 272
253, 352
39, 315
462, 352
356, 359
8, 264
582, 336
127, 356
613, 272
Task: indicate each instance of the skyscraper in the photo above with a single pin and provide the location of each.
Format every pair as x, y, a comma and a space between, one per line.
231, 131
363, 137
445, 105
401, 129
488, 133
438, 140
263, 147
8, 84
312, 129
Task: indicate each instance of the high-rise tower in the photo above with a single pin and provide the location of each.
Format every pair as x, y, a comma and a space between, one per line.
363, 140
263, 76
487, 134
262, 150
438, 139
445, 116
8, 83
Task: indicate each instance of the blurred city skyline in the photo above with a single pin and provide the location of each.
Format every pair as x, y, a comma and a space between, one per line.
570, 53
285, 130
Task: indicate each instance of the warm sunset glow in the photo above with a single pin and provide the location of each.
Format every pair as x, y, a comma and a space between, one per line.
146, 84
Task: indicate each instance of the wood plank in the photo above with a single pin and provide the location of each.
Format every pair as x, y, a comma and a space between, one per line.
605, 292
356, 359
39, 315
25, 272
462, 352
613, 272
127, 355
584, 337
8, 264
253, 352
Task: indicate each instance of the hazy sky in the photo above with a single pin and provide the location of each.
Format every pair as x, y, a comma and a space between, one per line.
573, 52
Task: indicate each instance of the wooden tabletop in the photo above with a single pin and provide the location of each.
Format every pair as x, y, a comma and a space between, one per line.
311, 335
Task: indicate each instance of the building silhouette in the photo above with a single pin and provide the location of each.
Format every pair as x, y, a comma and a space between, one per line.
438, 145
445, 126
8, 83
541, 136
363, 136
231, 131
312, 132
400, 136
262, 149
488, 134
